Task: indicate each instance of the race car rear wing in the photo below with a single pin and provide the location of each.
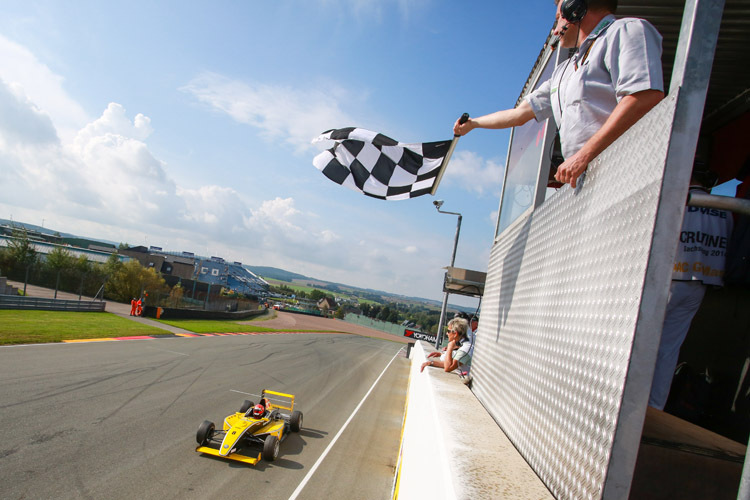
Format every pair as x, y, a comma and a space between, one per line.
282, 401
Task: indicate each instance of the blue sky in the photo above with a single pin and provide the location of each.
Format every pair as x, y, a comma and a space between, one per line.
188, 125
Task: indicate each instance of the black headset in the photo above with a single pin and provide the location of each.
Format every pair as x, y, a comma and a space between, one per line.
573, 11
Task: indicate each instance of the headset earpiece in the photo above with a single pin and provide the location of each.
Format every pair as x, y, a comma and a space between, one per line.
573, 11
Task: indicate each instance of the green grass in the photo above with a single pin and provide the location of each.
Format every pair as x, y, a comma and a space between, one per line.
33, 327
222, 326
306, 289
297, 288
28, 327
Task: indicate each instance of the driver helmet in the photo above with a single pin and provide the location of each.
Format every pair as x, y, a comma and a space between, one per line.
258, 411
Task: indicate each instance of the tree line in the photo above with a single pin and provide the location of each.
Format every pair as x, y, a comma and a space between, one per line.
61, 270
314, 294
394, 312
391, 312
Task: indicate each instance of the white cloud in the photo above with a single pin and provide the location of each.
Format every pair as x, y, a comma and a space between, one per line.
212, 210
23, 72
108, 175
328, 236
474, 173
278, 209
369, 10
114, 120
101, 175
295, 116
103, 180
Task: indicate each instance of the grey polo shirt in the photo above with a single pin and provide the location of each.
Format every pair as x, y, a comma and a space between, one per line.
620, 57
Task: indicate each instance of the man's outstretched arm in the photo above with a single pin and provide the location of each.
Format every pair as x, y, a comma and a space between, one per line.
500, 119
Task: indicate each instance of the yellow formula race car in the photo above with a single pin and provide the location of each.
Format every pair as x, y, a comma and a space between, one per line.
263, 424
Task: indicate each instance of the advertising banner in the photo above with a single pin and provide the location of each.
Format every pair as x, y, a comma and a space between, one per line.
417, 335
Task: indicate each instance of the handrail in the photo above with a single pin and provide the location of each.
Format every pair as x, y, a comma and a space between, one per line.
736, 205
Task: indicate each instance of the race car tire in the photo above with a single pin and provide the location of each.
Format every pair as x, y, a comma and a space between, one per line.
205, 432
246, 406
295, 421
270, 448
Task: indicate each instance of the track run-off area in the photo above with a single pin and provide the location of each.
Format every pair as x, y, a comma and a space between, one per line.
118, 419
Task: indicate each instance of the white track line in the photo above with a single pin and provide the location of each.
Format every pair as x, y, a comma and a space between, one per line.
330, 445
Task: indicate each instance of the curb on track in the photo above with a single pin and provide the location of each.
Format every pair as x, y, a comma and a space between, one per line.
188, 335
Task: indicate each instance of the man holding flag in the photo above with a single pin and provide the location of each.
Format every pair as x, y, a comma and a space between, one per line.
613, 79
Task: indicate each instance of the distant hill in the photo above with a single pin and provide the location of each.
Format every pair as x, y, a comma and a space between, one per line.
34, 227
275, 273
67, 237
283, 275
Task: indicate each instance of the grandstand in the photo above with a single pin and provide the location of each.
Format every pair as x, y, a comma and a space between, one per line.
231, 275
188, 266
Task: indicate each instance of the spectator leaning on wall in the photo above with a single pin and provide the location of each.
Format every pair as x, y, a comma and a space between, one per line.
456, 355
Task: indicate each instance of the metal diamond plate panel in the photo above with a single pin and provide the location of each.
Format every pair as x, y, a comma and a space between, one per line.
560, 308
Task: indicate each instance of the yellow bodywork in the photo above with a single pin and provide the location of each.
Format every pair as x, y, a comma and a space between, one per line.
238, 426
234, 456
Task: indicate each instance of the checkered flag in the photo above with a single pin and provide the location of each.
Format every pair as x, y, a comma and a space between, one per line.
380, 167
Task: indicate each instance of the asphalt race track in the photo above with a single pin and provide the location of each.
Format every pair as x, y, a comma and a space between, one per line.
118, 419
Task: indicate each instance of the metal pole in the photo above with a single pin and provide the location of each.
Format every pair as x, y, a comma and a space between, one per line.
455, 240
464, 118
744, 492
736, 205
101, 290
441, 324
443, 310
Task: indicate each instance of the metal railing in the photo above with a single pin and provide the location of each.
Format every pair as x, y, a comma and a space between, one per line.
37, 303
736, 205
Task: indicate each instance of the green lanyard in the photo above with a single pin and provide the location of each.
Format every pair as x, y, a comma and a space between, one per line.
596, 33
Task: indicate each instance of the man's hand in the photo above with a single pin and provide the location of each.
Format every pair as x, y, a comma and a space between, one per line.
463, 128
572, 168
629, 110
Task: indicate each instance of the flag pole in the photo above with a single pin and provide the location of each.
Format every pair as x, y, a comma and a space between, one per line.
464, 118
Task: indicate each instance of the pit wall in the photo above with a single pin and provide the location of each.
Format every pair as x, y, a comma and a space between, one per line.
571, 314
451, 448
